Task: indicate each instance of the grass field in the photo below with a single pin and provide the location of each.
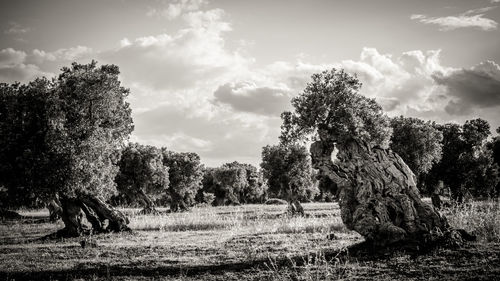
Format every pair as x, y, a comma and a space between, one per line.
251, 242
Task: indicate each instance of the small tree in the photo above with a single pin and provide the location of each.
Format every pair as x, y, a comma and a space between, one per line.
185, 176
253, 188
142, 174
288, 171
418, 143
234, 183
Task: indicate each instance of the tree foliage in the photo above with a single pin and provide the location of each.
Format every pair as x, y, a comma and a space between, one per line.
25, 158
142, 175
235, 183
288, 171
417, 142
63, 136
89, 123
331, 108
467, 166
185, 176
494, 147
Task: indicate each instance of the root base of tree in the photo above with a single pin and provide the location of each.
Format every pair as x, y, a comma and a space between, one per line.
87, 215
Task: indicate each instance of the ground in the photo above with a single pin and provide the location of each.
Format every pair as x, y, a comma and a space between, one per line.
251, 242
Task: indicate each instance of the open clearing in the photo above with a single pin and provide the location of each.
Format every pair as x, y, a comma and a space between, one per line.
251, 242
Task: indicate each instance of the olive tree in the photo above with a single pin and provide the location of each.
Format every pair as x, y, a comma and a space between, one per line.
185, 176
142, 175
350, 133
467, 165
89, 121
25, 158
288, 171
234, 183
419, 144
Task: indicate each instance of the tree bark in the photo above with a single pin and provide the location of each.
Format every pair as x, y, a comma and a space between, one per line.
295, 208
87, 214
149, 205
378, 195
55, 210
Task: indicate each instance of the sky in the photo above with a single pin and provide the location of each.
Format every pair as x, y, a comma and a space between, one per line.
213, 76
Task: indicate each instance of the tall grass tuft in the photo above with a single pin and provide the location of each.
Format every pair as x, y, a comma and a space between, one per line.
482, 218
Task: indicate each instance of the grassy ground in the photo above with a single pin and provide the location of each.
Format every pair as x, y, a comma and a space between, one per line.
252, 242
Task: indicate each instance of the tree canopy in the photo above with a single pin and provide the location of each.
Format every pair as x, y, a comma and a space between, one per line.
26, 165
185, 176
331, 108
142, 175
288, 171
90, 121
234, 183
466, 165
417, 142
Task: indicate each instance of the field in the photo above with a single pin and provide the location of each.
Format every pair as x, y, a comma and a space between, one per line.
251, 242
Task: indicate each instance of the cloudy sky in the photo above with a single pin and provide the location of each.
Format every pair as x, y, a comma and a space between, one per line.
213, 76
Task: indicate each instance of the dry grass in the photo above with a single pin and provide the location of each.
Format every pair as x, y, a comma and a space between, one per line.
482, 218
169, 245
255, 219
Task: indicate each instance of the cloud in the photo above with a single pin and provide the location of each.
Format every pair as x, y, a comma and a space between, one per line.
176, 8
217, 139
16, 28
248, 97
181, 59
477, 87
10, 56
396, 82
469, 19
63, 54
14, 68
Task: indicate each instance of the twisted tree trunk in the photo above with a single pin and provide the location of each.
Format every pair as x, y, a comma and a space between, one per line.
88, 214
149, 205
378, 195
55, 210
295, 208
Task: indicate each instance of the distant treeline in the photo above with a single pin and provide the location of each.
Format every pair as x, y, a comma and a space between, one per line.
68, 136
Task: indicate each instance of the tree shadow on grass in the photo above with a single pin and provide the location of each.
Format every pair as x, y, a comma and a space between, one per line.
359, 252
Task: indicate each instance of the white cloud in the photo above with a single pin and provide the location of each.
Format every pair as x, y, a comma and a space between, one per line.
10, 56
192, 57
471, 18
64, 54
16, 28
248, 97
14, 67
176, 8
470, 89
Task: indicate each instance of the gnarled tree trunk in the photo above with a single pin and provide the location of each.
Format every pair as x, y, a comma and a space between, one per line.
378, 195
55, 210
149, 205
88, 214
295, 208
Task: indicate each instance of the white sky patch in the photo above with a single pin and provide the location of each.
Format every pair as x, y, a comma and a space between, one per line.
469, 19
63, 54
176, 8
14, 67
